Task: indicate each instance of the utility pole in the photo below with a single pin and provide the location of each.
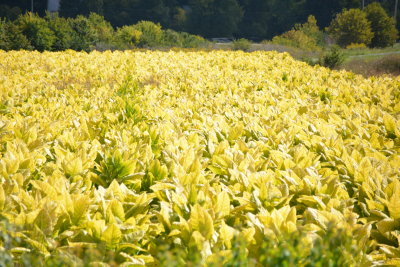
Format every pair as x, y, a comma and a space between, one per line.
32, 6
396, 5
363, 4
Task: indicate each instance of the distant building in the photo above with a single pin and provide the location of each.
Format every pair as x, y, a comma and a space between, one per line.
53, 5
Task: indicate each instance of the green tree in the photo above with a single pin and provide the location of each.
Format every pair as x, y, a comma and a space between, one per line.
103, 31
36, 31
127, 37
11, 37
62, 31
383, 26
151, 33
215, 18
84, 36
351, 26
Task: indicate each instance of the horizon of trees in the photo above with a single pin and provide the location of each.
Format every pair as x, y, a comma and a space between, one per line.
251, 19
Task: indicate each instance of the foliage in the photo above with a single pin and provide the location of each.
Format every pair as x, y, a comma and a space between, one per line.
306, 36
84, 36
36, 31
62, 31
356, 46
241, 44
151, 33
103, 31
128, 36
333, 58
11, 37
351, 26
383, 26
143, 157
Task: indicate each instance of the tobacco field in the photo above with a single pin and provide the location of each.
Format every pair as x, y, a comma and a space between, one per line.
180, 158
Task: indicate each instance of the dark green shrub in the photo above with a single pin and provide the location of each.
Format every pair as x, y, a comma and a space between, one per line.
241, 44
172, 38
351, 26
11, 37
151, 34
383, 26
83, 36
36, 30
333, 58
193, 41
62, 31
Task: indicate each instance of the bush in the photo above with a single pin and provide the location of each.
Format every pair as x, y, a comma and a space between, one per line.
241, 44
383, 26
334, 58
356, 46
36, 30
11, 37
83, 36
128, 37
296, 38
306, 36
151, 33
102, 29
351, 26
311, 29
62, 31
192, 41
172, 38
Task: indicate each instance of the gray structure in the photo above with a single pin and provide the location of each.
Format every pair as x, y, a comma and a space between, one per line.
53, 5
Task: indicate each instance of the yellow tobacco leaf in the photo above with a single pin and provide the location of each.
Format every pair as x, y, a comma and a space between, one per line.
112, 235
2, 198
222, 206
201, 221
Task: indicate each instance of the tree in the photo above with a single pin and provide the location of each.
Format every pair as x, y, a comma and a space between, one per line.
36, 31
383, 26
84, 36
351, 26
62, 31
11, 37
214, 18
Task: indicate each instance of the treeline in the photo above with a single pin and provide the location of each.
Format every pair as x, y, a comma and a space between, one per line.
85, 33
351, 28
251, 19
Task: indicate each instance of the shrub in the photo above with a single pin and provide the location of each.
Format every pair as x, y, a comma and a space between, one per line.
241, 44
333, 58
351, 26
128, 37
102, 29
172, 38
311, 29
151, 33
36, 30
11, 37
383, 26
193, 41
305, 36
83, 36
356, 46
296, 38
62, 31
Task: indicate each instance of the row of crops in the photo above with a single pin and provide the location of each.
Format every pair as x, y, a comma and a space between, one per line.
196, 158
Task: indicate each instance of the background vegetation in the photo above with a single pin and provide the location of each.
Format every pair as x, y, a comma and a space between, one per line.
251, 19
